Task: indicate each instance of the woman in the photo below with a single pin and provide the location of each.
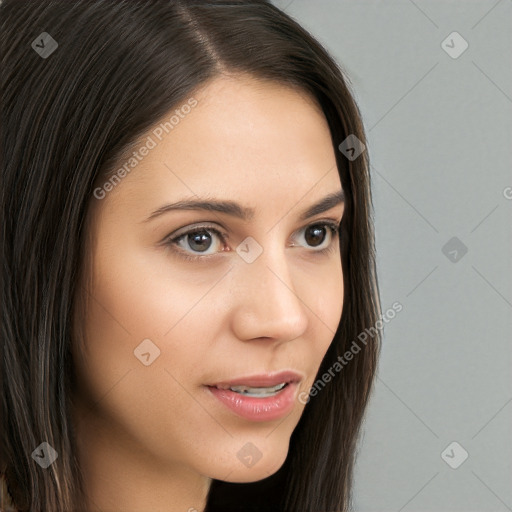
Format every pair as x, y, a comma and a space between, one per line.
188, 260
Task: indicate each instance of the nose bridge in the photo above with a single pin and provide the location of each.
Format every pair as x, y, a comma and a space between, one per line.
268, 304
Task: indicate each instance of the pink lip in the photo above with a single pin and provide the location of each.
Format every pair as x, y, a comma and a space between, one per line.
258, 409
262, 380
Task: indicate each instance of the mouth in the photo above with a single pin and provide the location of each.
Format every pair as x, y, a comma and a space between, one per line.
260, 386
259, 398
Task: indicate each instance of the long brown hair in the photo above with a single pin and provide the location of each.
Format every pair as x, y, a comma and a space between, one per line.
118, 68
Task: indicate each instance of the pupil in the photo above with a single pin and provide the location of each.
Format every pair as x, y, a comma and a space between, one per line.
318, 235
197, 241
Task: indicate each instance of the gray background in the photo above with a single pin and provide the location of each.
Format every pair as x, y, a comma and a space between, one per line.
440, 133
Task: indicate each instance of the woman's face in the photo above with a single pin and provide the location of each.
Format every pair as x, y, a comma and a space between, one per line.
261, 297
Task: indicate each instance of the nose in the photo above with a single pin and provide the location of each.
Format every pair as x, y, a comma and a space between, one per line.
266, 303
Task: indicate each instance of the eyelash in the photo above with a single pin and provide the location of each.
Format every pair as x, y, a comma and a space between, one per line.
172, 242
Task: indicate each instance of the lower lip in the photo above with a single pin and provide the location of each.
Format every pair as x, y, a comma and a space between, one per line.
258, 409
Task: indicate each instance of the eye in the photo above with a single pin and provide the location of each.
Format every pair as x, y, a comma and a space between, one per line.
317, 234
197, 240
195, 244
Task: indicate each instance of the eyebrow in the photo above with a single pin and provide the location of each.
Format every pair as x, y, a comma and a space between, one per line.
245, 213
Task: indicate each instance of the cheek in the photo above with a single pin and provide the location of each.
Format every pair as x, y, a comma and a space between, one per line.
324, 291
132, 300
141, 298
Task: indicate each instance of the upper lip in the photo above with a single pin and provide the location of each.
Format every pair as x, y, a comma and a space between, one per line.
262, 380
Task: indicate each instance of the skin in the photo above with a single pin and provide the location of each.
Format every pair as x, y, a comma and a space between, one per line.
151, 437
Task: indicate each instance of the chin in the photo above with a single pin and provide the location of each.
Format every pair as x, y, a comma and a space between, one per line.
270, 461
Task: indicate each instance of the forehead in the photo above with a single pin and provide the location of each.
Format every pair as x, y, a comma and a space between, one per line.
243, 138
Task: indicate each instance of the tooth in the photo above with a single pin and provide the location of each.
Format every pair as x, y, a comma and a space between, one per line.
257, 390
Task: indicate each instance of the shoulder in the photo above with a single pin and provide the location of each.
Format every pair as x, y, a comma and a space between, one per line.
6, 504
